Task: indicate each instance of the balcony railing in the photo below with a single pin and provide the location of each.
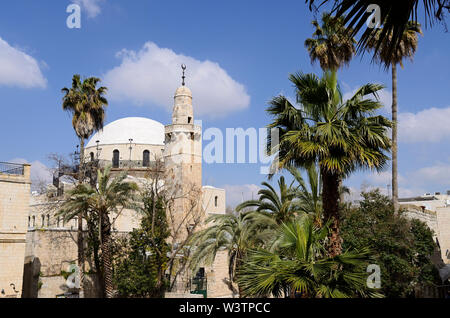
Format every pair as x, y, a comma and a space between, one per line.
11, 168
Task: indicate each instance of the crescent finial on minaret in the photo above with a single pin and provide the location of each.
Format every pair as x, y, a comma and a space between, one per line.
183, 67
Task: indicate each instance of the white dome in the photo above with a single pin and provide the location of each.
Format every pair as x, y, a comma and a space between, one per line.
141, 130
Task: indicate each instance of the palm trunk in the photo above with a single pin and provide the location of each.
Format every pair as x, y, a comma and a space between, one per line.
80, 240
106, 255
94, 238
394, 139
341, 191
330, 199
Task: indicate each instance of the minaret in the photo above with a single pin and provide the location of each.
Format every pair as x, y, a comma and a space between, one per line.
183, 148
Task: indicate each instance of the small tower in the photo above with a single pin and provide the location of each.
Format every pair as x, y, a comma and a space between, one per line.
183, 148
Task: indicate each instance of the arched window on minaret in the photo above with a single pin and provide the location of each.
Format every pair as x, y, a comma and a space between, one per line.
146, 158
116, 159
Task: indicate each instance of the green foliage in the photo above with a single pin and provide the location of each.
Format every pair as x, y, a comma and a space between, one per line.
395, 18
290, 200
341, 136
295, 262
402, 248
140, 267
109, 197
408, 45
235, 234
278, 204
87, 105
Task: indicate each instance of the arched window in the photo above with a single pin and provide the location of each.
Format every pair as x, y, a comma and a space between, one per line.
29, 221
92, 156
146, 159
34, 221
216, 199
48, 220
57, 222
116, 158
43, 220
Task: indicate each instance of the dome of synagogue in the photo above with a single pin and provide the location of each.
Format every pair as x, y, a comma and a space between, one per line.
142, 130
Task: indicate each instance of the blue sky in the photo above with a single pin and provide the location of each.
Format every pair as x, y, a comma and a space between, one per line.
246, 49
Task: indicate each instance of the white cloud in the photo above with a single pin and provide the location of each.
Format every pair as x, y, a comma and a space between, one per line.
92, 7
429, 125
152, 75
18, 68
236, 194
383, 178
437, 175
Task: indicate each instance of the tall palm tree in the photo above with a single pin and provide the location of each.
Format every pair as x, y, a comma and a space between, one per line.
333, 47
405, 49
295, 263
235, 234
340, 137
395, 15
111, 195
331, 44
87, 105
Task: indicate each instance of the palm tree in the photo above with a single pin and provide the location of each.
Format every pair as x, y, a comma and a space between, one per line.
291, 200
235, 234
406, 49
340, 137
333, 47
296, 263
109, 196
308, 197
279, 206
396, 18
87, 105
330, 44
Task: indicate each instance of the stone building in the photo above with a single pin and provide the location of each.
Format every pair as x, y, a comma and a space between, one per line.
14, 206
138, 146
434, 210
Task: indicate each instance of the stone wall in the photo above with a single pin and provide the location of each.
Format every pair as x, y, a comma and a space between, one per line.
217, 276
429, 217
213, 200
14, 205
438, 221
443, 220
49, 255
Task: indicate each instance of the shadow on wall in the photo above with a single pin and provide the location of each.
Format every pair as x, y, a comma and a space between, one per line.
31, 275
